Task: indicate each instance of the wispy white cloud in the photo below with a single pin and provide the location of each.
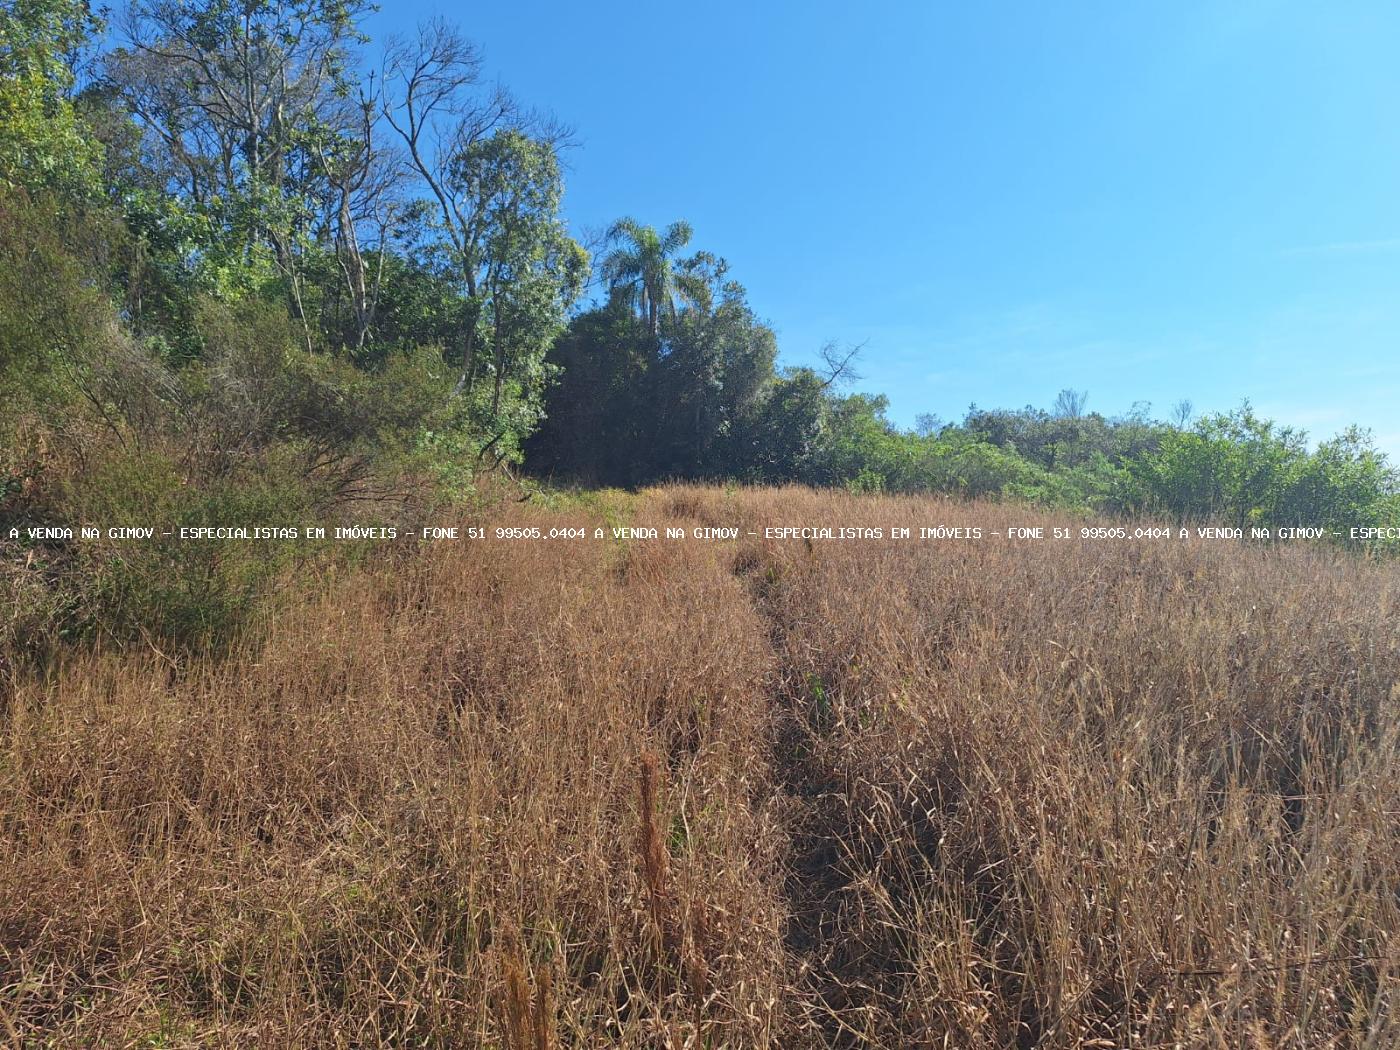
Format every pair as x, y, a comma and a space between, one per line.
1342, 248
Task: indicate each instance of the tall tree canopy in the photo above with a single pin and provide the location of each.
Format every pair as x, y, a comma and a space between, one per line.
641, 270
43, 144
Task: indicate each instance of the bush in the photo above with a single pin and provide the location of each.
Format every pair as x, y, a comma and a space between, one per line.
1243, 471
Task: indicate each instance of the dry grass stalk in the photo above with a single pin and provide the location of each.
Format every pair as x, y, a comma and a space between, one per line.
976, 794
656, 862
527, 1023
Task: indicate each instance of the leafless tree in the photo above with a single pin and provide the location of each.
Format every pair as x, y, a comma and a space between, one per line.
840, 363
434, 99
927, 424
361, 202
1069, 404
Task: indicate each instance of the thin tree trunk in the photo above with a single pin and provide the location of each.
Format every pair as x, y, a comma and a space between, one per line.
500, 359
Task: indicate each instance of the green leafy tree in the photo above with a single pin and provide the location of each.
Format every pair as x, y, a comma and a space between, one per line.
600, 419
240, 102
777, 442
1242, 470
713, 365
44, 143
1346, 482
531, 270
641, 270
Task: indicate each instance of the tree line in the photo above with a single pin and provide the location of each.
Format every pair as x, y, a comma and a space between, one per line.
254, 264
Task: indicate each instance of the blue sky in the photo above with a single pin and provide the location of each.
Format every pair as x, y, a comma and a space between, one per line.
1146, 201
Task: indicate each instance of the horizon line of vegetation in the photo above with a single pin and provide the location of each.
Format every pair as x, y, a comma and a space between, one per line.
250, 270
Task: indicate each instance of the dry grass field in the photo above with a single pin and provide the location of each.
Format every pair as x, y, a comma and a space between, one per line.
952, 794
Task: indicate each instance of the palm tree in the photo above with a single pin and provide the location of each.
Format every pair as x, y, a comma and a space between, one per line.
640, 269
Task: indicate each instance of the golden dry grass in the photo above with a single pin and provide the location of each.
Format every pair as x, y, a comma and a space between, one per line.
560, 794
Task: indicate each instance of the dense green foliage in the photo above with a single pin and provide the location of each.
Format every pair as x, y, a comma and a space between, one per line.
227, 298
43, 143
698, 396
241, 278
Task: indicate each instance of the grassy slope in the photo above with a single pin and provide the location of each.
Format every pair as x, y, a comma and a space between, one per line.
560, 794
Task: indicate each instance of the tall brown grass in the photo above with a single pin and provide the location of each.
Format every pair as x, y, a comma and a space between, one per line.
756, 793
